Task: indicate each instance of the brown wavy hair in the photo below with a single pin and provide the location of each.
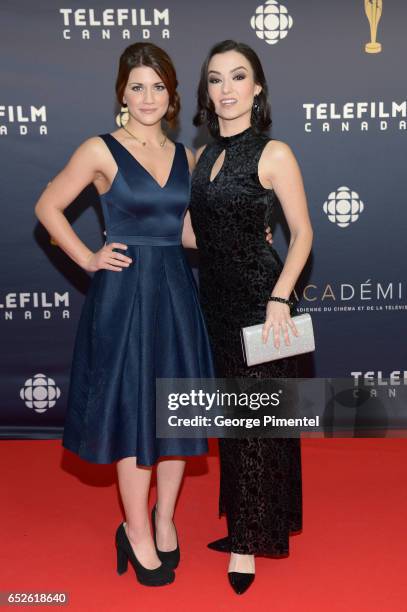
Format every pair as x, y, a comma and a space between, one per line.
148, 54
205, 114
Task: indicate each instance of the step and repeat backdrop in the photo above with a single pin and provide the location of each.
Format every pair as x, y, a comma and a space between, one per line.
338, 98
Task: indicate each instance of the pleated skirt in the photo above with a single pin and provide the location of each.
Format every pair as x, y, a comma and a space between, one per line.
135, 326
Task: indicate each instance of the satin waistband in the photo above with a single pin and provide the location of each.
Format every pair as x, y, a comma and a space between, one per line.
145, 240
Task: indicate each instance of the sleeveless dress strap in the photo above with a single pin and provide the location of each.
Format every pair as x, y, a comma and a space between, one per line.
181, 147
125, 161
114, 147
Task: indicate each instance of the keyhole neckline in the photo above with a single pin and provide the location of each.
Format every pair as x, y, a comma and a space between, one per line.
211, 180
225, 142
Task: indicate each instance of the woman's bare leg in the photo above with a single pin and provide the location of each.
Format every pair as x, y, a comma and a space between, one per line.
134, 485
169, 478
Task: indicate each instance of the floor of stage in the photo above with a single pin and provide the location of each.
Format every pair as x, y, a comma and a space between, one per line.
59, 515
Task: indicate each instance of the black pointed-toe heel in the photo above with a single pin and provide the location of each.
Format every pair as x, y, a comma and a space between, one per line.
221, 545
149, 577
171, 557
240, 581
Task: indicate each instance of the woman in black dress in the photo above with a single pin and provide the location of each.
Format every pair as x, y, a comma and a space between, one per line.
235, 185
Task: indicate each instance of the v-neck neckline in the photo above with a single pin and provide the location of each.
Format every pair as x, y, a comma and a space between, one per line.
145, 169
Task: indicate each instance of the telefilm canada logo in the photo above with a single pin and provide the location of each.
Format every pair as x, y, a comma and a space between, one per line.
375, 381
350, 116
127, 23
368, 296
23, 119
34, 305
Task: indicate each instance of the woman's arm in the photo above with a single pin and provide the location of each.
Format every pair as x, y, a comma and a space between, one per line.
278, 168
83, 168
188, 234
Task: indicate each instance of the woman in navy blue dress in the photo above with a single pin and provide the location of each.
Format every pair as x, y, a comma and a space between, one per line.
141, 318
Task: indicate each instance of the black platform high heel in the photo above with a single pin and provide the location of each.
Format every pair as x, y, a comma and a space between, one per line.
149, 577
169, 558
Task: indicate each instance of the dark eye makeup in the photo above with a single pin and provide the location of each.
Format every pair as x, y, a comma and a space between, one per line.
237, 77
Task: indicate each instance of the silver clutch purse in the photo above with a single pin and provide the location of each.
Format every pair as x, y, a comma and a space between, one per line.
255, 351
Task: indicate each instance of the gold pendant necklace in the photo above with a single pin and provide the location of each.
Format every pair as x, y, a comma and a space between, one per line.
143, 142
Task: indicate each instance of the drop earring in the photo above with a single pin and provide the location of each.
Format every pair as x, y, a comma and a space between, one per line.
123, 115
256, 105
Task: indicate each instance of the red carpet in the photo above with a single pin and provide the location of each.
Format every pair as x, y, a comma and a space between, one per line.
59, 515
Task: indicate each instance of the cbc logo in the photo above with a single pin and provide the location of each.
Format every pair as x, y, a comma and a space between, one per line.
343, 206
40, 393
271, 22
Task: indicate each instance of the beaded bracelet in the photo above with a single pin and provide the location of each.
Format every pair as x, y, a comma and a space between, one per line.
273, 298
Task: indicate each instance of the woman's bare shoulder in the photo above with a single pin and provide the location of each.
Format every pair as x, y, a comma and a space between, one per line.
92, 145
277, 150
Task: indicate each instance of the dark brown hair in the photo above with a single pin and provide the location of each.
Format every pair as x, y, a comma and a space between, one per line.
148, 54
261, 118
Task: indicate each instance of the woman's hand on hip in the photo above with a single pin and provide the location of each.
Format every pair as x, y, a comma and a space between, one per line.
108, 259
269, 235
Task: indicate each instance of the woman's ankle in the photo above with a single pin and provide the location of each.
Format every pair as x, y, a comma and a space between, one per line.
136, 533
241, 563
164, 515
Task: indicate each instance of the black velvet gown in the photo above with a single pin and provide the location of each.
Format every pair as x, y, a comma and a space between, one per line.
260, 486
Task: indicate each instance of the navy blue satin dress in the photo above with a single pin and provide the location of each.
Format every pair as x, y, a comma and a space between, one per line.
138, 324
